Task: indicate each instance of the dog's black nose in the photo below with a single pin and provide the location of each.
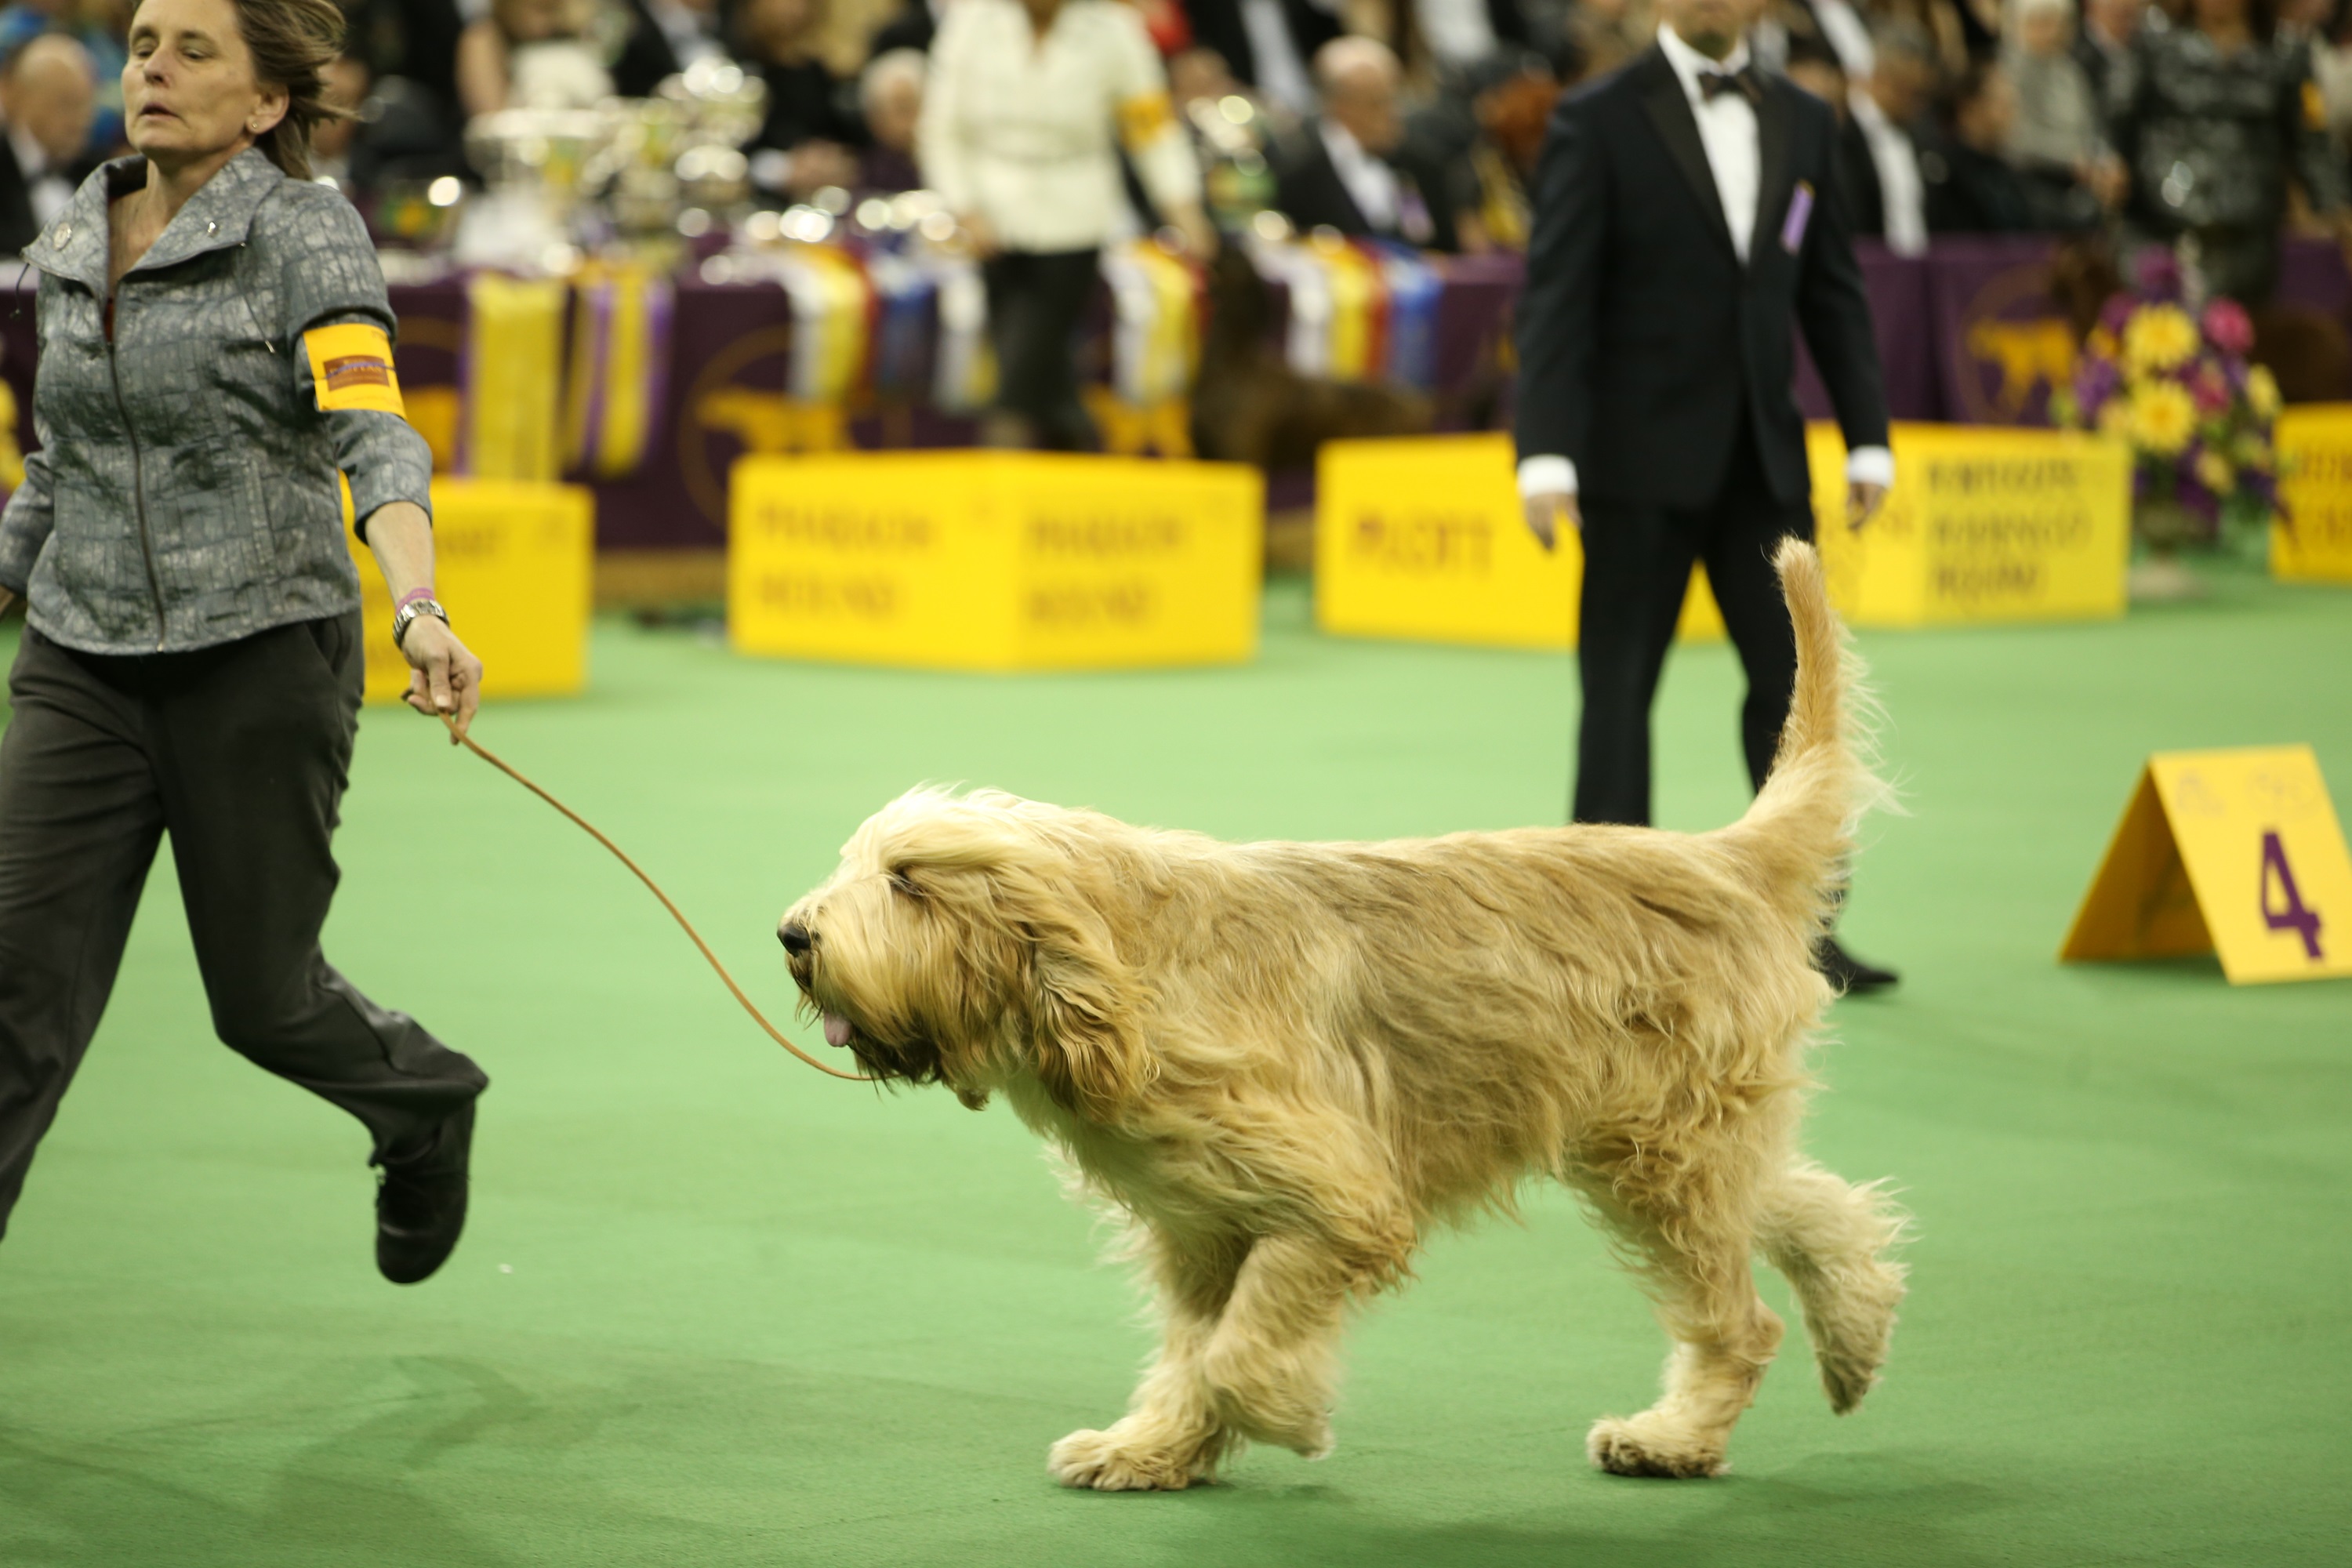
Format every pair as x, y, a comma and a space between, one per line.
796, 939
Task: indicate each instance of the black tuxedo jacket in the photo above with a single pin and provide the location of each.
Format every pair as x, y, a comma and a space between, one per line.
1308, 191
1642, 340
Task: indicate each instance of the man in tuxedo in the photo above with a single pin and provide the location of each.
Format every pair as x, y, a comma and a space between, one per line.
1349, 169
1687, 211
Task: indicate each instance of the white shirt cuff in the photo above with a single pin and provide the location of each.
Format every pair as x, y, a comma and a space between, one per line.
1547, 476
1868, 466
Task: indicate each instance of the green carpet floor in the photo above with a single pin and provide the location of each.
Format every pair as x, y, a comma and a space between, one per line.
715, 1309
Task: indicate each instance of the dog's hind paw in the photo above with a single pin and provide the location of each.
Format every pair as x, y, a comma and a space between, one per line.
1125, 1460
1649, 1445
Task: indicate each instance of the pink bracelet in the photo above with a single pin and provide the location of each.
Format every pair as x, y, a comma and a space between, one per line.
411, 597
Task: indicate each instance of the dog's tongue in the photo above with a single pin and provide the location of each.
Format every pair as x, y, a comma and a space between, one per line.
836, 1029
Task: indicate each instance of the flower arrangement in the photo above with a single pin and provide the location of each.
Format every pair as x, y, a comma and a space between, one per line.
2174, 381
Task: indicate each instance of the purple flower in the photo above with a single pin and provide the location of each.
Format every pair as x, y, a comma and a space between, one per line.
2157, 274
2117, 312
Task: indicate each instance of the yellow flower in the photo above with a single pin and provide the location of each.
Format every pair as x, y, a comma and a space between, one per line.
2114, 419
2102, 343
2214, 473
2158, 338
2262, 391
2253, 452
2163, 418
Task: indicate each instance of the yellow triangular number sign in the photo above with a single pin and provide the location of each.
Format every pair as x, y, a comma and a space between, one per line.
2237, 852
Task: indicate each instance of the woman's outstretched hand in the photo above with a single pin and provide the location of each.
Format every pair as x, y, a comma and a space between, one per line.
445, 679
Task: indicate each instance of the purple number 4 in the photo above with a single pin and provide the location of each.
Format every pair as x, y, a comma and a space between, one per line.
2291, 915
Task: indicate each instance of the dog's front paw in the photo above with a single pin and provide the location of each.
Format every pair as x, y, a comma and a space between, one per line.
1653, 1445
1127, 1458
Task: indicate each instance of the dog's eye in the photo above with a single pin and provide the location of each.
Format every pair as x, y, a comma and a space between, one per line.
903, 881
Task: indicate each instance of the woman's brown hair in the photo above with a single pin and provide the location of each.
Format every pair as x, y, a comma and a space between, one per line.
291, 41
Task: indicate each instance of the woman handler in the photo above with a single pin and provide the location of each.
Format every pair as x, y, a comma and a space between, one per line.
215, 349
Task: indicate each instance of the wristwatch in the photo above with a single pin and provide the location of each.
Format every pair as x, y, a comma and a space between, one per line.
405, 616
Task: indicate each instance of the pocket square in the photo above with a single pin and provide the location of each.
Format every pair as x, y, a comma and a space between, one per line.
1800, 212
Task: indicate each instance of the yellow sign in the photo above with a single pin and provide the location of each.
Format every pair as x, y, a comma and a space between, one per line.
1983, 524
2237, 851
515, 565
1423, 537
2313, 543
963, 560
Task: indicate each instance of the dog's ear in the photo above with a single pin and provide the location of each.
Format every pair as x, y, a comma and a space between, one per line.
1082, 1019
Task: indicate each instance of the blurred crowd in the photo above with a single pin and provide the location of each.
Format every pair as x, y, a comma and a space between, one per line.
2219, 120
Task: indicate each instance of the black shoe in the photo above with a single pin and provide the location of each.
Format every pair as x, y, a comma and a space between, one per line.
420, 1205
1848, 975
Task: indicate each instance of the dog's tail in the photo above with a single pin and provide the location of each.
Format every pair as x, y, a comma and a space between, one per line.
1800, 831
1832, 1238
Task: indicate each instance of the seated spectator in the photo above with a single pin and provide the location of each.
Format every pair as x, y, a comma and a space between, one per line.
664, 37
804, 144
2106, 37
344, 84
1455, 36
2213, 119
890, 96
1887, 187
1268, 43
100, 27
530, 54
1348, 169
1972, 187
2059, 141
49, 96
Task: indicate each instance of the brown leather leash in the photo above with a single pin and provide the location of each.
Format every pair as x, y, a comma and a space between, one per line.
652, 887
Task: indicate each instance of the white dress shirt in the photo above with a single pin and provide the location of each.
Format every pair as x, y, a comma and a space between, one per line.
46, 189
1902, 192
1728, 130
1371, 184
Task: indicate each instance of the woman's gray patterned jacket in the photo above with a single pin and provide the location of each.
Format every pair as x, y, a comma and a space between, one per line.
184, 490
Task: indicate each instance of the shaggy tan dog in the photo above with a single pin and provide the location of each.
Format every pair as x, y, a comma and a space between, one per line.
1286, 1062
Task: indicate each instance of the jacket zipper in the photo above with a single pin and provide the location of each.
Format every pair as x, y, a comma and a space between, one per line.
138, 480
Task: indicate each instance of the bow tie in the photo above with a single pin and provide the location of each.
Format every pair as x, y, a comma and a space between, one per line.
1713, 84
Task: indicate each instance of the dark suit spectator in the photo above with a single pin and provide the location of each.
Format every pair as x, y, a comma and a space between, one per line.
1887, 117
665, 36
412, 40
1687, 222
805, 142
1972, 187
2105, 38
1268, 44
47, 100
1348, 169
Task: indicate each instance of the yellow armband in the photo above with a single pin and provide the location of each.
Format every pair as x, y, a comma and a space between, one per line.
351, 367
1143, 119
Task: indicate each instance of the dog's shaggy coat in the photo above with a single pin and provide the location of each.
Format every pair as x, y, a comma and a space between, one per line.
1286, 1062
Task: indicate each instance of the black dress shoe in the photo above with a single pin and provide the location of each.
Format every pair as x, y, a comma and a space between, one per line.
420, 1205
1847, 975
